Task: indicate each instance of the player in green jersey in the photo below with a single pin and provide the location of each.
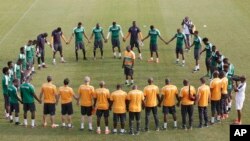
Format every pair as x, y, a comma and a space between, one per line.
153, 34
13, 97
27, 91
97, 33
11, 71
181, 39
197, 48
208, 49
213, 61
5, 84
78, 33
18, 70
22, 56
114, 30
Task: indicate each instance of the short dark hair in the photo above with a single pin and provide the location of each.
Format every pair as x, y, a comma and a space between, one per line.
45, 34
49, 78
21, 48
9, 63
205, 39
5, 70
79, 24
66, 81
59, 29
114, 23
118, 86
152, 27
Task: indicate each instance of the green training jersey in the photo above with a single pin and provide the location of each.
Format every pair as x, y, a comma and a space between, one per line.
197, 42
29, 53
17, 71
5, 84
115, 30
27, 90
11, 75
213, 59
153, 36
24, 61
180, 38
78, 32
12, 92
98, 32
230, 74
208, 48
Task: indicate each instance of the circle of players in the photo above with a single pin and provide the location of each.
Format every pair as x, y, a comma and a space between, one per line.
16, 78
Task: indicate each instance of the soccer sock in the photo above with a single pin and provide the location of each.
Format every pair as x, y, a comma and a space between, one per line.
132, 81
120, 54
63, 124
69, 125
114, 53
183, 61
98, 128
230, 104
139, 54
212, 119
62, 59
114, 130
226, 108
157, 59
198, 66
32, 122
43, 63
17, 119
151, 58
175, 123
7, 115
33, 68
90, 122
54, 60
106, 128
127, 81
122, 130
25, 122
177, 60
11, 117
165, 125
82, 125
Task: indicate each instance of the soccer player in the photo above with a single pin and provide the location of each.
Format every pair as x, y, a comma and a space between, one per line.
197, 48
187, 28
219, 61
136, 100
29, 51
56, 43
40, 49
215, 88
86, 92
11, 71
213, 61
153, 34
187, 98
27, 91
98, 33
128, 65
22, 56
13, 97
101, 102
66, 93
151, 93
18, 71
114, 30
5, 85
135, 36
203, 98
180, 39
79, 44
49, 95
208, 49
224, 95
118, 102
240, 98
169, 94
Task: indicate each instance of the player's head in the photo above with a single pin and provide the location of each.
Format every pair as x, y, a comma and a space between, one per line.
226, 67
185, 82
226, 61
29, 42
150, 80
49, 78
196, 33
221, 74
10, 64
134, 23
135, 87
102, 84
152, 27
19, 61
118, 86
5, 70
242, 79
167, 81
216, 74
203, 80
178, 30
66, 81
59, 29
218, 53
114, 23
213, 48
15, 82
22, 50
86, 79
97, 25
45, 35
79, 24
34, 42
186, 18
128, 48
205, 40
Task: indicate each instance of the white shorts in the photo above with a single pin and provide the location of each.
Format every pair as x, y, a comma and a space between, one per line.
239, 103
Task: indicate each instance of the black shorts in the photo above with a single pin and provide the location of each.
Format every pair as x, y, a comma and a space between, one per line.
133, 44
153, 47
99, 113
14, 107
179, 50
67, 109
115, 43
57, 47
79, 45
215, 106
6, 100
168, 109
49, 109
207, 62
196, 54
86, 110
134, 115
29, 107
98, 44
119, 117
128, 71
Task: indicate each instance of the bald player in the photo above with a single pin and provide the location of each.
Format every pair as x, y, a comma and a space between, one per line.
86, 92
49, 95
136, 100
169, 96
101, 103
152, 99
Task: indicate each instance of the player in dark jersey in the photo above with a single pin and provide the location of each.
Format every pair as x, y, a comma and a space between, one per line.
41, 40
135, 33
56, 43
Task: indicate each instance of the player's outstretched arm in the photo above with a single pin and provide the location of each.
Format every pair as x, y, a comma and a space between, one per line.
145, 38
64, 38
171, 40
126, 37
86, 37
91, 36
159, 100
71, 37
162, 39
37, 98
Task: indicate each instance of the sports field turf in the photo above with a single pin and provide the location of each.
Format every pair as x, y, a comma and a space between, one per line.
227, 27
